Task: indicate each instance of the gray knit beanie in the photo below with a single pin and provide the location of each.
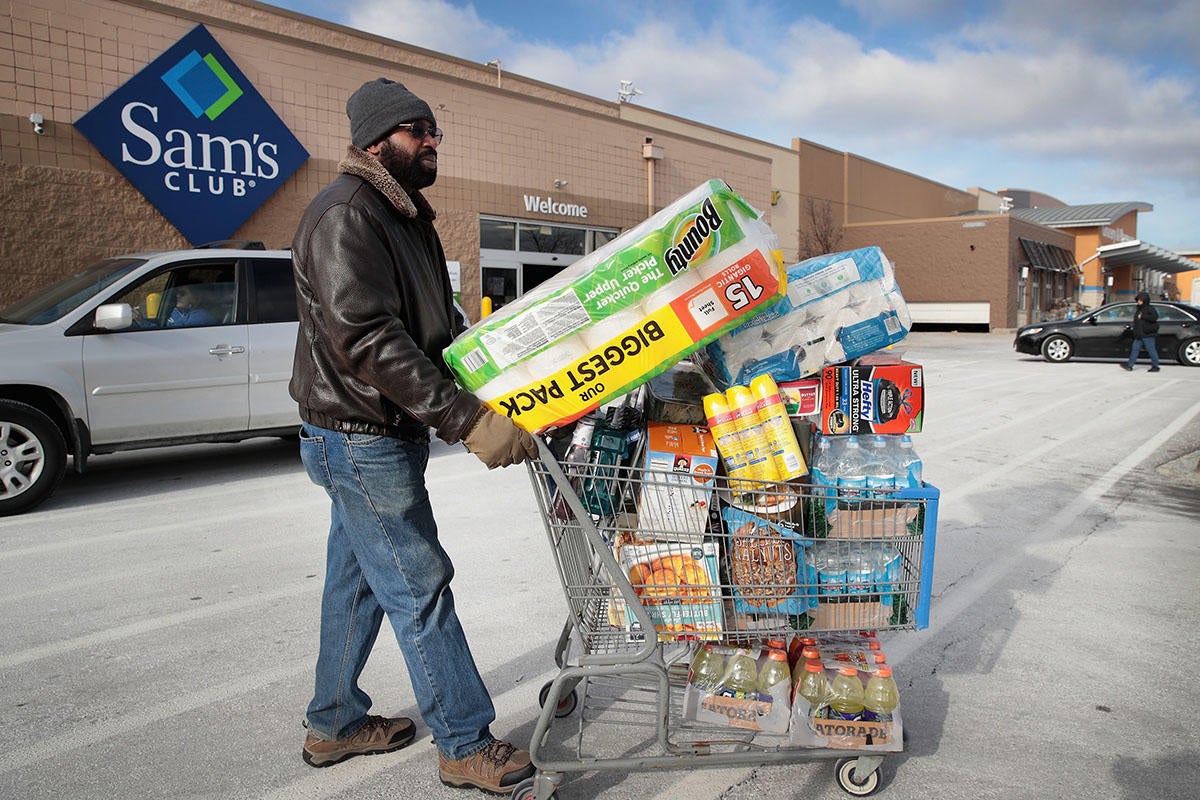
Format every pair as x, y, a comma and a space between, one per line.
379, 106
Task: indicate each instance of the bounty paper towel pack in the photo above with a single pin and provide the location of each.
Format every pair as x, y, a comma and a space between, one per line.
838, 307
623, 313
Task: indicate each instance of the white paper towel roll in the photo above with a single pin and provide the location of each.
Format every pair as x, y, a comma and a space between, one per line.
513, 378
711, 267
678, 286
560, 355
598, 333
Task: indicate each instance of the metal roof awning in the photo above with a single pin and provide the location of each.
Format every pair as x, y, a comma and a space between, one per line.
1137, 253
1093, 215
1048, 256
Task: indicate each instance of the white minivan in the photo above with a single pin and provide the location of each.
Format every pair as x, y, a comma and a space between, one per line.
144, 350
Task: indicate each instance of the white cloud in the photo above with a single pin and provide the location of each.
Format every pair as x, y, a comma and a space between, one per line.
1037, 88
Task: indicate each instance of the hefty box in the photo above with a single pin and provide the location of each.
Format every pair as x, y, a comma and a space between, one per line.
677, 484
623, 313
872, 398
677, 584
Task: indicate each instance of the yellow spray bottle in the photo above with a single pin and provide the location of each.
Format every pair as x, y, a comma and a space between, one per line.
728, 438
785, 449
754, 434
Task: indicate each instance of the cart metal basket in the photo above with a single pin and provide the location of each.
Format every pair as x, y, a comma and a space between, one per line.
653, 562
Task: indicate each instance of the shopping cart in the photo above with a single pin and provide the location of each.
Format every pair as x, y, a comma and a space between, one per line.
859, 565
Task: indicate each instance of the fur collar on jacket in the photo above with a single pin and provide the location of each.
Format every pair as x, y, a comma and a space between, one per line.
360, 163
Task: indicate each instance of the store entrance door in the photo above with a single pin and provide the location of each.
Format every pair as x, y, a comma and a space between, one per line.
500, 284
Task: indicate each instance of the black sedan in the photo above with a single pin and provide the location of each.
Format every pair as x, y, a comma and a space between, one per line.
1105, 333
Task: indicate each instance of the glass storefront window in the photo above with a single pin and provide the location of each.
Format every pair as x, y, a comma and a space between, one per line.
497, 234
551, 239
601, 238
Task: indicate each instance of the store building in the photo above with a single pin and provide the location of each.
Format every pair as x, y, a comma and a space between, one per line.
119, 134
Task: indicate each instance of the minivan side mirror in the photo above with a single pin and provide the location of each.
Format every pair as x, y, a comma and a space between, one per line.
114, 316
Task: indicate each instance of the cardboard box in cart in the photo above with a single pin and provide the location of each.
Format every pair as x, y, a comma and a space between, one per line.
677, 585
872, 398
677, 488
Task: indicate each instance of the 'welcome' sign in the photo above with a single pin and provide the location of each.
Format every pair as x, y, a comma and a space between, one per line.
195, 138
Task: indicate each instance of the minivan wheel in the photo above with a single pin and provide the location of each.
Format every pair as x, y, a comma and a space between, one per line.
33, 457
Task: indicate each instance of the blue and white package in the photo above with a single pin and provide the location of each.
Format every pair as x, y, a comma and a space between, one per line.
838, 307
767, 566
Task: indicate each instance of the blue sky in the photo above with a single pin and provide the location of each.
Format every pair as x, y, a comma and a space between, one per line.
1090, 101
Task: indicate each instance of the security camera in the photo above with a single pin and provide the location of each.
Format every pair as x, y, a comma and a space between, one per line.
38, 123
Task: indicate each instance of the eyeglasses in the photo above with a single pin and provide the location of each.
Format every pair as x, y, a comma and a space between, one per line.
419, 130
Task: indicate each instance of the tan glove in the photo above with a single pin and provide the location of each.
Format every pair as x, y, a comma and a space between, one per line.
497, 442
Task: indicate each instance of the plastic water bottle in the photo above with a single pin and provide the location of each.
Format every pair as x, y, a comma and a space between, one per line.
707, 668
741, 674
774, 673
813, 687
851, 472
881, 696
880, 468
908, 464
846, 695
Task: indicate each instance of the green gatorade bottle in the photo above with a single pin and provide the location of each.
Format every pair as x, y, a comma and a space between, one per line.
846, 695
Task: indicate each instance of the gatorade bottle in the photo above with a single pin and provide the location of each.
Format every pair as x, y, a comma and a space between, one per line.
785, 450
757, 443
881, 696
808, 655
707, 668
741, 674
775, 672
813, 687
730, 442
846, 695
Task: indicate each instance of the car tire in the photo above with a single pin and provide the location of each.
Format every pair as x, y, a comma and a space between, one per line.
1189, 353
1057, 349
33, 457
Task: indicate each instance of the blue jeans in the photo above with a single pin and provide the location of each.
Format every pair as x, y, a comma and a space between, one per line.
384, 557
1151, 347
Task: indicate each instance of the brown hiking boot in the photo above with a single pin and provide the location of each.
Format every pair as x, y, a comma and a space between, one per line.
378, 735
496, 768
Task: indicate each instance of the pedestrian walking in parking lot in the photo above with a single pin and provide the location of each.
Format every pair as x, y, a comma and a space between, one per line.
1144, 328
376, 310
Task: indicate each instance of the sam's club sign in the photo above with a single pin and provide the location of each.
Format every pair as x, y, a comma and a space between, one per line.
192, 134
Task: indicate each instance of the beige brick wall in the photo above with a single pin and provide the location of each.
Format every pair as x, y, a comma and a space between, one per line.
64, 205
960, 259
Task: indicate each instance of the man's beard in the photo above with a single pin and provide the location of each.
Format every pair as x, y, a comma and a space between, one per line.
409, 171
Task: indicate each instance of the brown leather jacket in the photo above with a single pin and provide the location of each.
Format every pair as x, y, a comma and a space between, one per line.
376, 311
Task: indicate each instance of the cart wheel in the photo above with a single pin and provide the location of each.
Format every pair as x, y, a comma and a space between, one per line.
844, 772
566, 706
524, 791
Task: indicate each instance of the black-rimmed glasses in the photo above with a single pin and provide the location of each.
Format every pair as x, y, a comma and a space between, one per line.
419, 130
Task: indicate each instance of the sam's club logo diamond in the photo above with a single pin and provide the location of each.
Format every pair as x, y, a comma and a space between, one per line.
196, 138
202, 85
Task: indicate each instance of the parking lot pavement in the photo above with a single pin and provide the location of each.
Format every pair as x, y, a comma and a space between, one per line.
159, 614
